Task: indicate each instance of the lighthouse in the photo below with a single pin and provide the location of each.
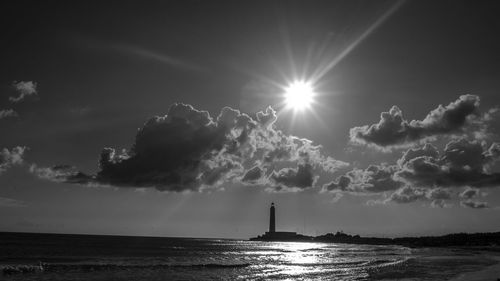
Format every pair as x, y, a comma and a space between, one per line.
272, 219
273, 235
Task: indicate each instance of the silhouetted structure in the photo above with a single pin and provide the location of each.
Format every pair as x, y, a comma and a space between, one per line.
273, 235
272, 219
489, 240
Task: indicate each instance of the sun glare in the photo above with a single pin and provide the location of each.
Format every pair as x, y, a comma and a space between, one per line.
299, 95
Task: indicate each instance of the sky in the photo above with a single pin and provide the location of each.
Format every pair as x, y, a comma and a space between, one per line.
170, 118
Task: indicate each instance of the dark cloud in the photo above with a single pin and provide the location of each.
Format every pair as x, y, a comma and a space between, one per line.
439, 197
469, 193
6, 113
293, 178
474, 204
25, 90
407, 194
425, 173
428, 150
342, 183
253, 175
180, 151
187, 149
439, 193
393, 130
493, 154
462, 163
9, 158
374, 179
379, 178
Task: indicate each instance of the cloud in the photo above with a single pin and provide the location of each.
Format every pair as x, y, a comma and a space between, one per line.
62, 173
267, 118
439, 194
462, 163
178, 151
342, 183
6, 113
293, 178
253, 175
407, 194
25, 89
474, 204
188, 150
374, 179
428, 150
9, 202
9, 158
492, 155
403, 195
469, 193
394, 131
336, 197
439, 203
425, 173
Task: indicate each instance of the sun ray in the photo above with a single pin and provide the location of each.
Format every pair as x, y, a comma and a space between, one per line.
321, 71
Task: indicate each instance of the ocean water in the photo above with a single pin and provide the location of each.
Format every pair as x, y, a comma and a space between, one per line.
87, 257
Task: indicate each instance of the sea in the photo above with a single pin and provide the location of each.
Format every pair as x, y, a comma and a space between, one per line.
28, 256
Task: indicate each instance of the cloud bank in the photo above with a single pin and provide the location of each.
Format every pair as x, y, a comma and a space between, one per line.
425, 173
393, 130
374, 179
462, 163
188, 150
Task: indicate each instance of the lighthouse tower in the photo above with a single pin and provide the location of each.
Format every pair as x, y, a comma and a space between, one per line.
273, 235
272, 219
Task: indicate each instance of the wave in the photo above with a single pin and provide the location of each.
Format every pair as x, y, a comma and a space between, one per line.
376, 250
327, 264
62, 267
381, 265
23, 268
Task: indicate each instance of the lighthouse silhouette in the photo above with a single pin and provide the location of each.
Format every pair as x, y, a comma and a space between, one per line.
273, 235
272, 219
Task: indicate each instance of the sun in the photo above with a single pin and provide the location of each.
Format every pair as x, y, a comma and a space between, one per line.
299, 95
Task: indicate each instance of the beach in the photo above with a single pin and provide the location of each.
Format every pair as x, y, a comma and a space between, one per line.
487, 274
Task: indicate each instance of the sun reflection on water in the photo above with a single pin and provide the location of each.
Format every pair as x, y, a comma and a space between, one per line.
298, 258
319, 261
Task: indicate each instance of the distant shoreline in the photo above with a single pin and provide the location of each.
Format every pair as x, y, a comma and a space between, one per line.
482, 241
489, 241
